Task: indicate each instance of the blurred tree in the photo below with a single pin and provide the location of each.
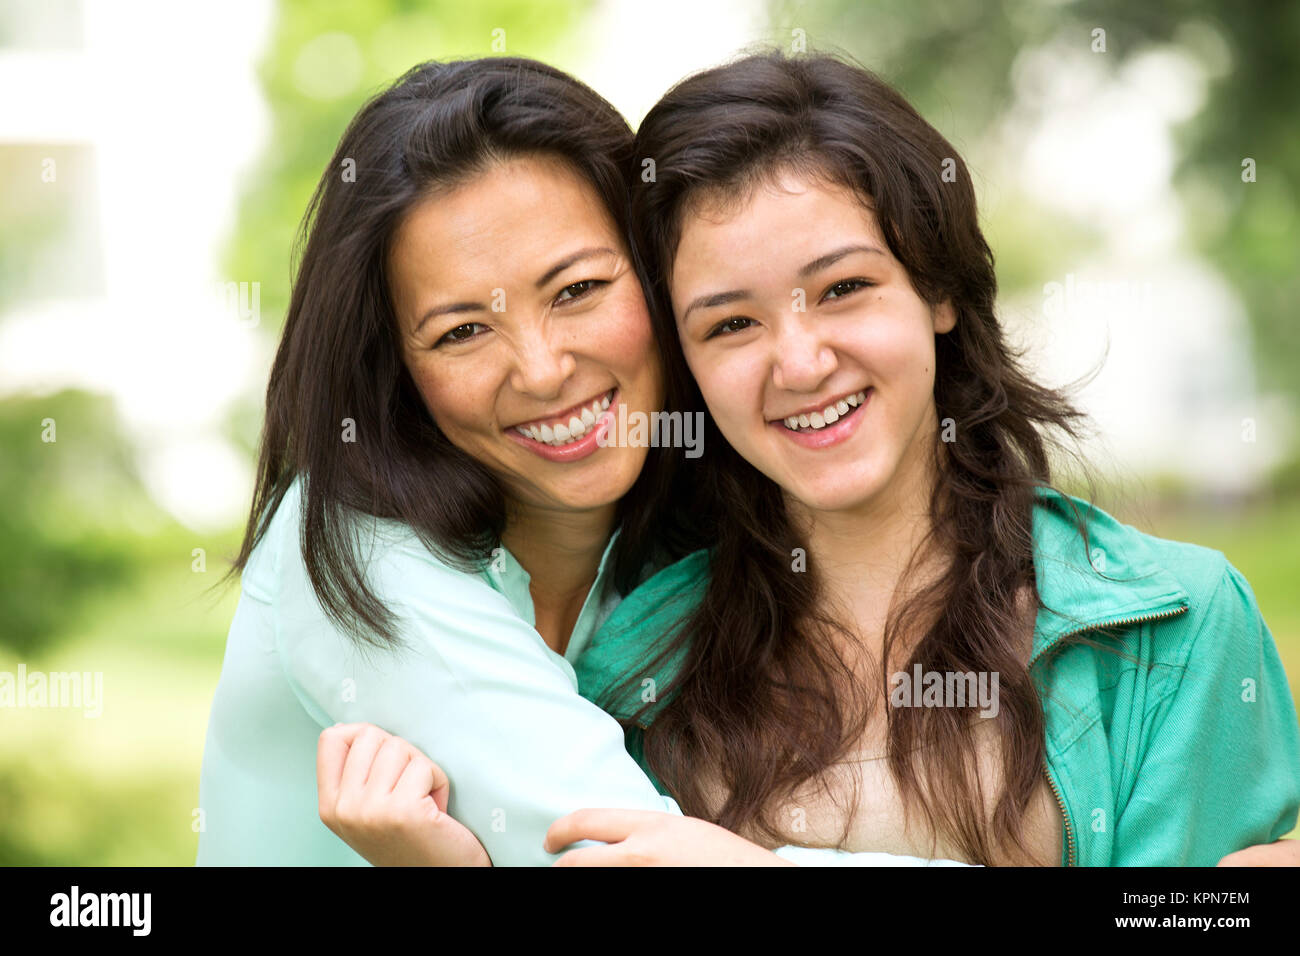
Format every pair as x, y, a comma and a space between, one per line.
954, 59
74, 505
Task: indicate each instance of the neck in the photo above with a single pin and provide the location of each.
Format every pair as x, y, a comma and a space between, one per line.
561, 552
862, 553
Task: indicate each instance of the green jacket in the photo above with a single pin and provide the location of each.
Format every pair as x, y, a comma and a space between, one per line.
1175, 752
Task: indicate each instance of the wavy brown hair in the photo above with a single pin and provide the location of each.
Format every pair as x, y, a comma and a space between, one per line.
340, 356
762, 700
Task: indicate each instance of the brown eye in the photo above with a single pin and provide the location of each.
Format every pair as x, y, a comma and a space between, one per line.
728, 326
461, 333
846, 286
578, 290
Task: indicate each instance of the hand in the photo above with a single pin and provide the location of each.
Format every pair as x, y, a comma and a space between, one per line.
649, 838
388, 801
1281, 853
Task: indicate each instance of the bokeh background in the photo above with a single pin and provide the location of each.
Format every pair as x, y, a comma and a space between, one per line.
1137, 166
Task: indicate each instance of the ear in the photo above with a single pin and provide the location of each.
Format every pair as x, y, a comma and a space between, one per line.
944, 317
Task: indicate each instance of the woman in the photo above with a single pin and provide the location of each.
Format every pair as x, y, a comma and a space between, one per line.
405, 537
435, 532
833, 298
887, 432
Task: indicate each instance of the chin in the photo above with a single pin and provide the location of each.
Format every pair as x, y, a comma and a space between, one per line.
596, 492
832, 499
839, 489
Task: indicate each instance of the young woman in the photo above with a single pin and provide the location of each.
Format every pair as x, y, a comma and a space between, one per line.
885, 430
877, 496
436, 532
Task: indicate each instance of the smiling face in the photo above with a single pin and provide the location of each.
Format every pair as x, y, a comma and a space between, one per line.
811, 348
518, 308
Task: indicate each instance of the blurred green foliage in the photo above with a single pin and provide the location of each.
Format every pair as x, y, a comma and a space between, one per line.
46, 239
61, 545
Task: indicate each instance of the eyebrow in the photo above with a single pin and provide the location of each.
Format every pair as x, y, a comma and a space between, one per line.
573, 259
821, 262
715, 299
451, 309
569, 260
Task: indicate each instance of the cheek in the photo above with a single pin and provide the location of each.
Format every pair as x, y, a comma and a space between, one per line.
623, 337
731, 384
899, 351
451, 398
624, 321
899, 359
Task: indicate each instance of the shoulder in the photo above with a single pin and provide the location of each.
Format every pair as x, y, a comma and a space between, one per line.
1093, 568
1076, 532
391, 555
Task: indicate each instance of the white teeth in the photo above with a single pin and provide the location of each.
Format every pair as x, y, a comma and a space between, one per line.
828, 415
565, 432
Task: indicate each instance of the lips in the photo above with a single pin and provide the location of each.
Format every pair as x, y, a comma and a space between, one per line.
561, 450
816, 417
567, 426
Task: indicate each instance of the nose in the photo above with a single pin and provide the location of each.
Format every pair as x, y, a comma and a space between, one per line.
542, 362
801, 359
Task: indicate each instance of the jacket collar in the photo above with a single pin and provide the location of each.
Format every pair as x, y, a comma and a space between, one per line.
1114, 578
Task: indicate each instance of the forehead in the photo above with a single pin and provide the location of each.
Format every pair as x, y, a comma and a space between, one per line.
507, 222
790, 217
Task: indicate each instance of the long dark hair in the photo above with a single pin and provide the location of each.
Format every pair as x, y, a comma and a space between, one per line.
339, 364
762, 700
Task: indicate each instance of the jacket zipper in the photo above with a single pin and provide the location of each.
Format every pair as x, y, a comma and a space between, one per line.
1065, 814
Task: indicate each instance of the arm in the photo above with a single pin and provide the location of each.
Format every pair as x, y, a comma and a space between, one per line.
388, 801
473, 684
637, 838
1230, 726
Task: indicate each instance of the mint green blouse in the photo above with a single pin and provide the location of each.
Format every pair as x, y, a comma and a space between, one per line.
474, 686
